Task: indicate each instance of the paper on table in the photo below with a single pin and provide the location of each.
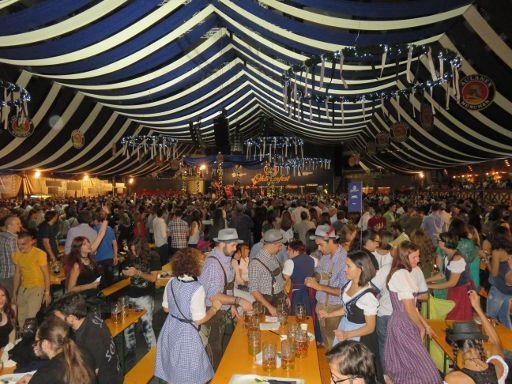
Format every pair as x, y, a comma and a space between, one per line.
271, 319
269, 326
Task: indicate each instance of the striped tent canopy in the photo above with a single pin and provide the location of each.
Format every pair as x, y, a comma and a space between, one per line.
116, 68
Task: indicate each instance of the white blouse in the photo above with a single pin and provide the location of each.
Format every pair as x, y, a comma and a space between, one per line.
197, 304
403, 284
368, 302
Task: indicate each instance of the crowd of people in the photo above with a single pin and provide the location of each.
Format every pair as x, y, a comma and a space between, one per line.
361, 276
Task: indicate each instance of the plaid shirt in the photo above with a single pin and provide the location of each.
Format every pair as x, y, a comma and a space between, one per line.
212, 276
333, 274
8, 247
178, 229
260, 278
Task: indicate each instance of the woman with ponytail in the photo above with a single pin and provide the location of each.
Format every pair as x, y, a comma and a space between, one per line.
67, 363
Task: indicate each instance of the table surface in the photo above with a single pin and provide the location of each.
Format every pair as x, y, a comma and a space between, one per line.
439, 328
57, 278
131, 318
236, 359
115, 287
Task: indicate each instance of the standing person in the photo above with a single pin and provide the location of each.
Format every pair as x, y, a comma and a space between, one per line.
427, 251
404, 350
433, 224
180, 354
217, 277
377, 221
196, 227
84, 229
468, 250
47, 235
106, 253
389, 216
500, 270
8, 246
297, 268
243, 224
303, 226
352, 362
67, 363
31, 278
329, 277
142, 265
467, 339
160, 234
93, 336
365, 217
178, 232
81, 271
359, 306
266, 281
456, 272
7, 319
240, 264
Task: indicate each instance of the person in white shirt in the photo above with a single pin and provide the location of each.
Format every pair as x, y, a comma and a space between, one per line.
240, 264
367, 215
160, 233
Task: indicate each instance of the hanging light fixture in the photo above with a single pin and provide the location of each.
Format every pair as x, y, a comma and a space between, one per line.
13, 109
268, 147
162, 147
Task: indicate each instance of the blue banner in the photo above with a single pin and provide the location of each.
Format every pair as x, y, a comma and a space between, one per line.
355, 196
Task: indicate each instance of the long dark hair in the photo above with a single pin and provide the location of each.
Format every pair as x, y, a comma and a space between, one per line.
142, 250
363, 261
75, 255
7, 309
58, 333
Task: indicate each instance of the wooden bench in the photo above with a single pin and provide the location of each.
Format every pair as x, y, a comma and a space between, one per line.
142, 372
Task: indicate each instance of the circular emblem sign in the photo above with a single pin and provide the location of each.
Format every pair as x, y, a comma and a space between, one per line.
477, 92
382, 140
371, 148
400, 131
20, 126
77, 139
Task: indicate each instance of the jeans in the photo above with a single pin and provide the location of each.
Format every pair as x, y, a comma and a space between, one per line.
147, 303
382, 331
498, 306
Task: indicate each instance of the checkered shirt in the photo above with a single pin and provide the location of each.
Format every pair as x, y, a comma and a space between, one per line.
212, 277
338, 278
259, 277
7, 248
178, 229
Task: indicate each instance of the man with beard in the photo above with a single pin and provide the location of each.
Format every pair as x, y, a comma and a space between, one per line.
217, 277
266, 282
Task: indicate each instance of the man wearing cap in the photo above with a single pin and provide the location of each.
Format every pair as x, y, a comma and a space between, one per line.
217, 278
330, 274
266, 282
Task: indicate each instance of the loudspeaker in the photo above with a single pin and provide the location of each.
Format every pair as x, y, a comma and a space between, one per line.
337, 161
221, 132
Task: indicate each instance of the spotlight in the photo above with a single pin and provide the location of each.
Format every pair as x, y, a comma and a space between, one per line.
85, 178
421, 175
37, 174
131, 180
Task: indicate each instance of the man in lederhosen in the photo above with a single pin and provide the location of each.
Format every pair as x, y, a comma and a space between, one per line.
329, 274
217, 278
266, 282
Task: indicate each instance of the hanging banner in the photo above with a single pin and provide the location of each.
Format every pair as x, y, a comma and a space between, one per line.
371, 148
426, 117
355, 196
77, 139
477, 92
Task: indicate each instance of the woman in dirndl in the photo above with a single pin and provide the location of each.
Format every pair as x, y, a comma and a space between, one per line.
296, 269
456, 273
180, 354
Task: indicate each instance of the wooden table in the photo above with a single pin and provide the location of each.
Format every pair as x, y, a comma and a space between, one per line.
131, 318
236, 359
439, 328
6, 371
57, 278
116, 287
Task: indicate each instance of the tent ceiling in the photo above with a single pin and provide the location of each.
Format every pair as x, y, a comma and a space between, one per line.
113, 68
